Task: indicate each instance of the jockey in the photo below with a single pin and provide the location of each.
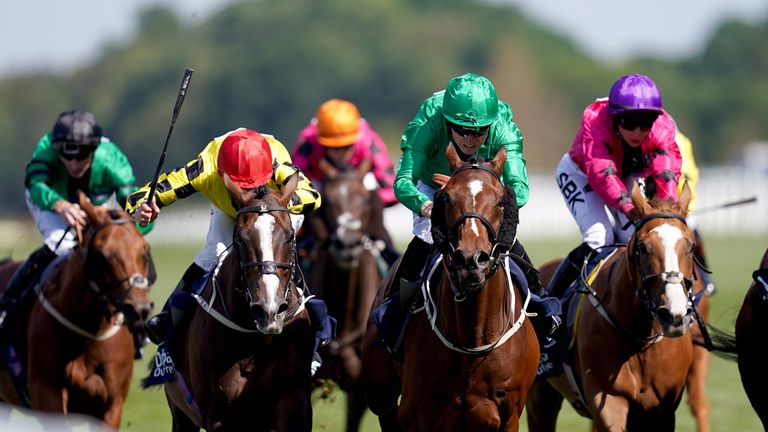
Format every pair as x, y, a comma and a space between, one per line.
339, 135
689, 172
251, 160
623, 138
73, 156
469, 116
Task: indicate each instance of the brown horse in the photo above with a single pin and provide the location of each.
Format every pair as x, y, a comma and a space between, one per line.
631, 352
471, 356
243, 358
345, 274
751, 327
79, 354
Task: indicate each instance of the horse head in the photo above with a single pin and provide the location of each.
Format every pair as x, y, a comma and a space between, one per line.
346, 211
660, 259
264, 245
467, 219
117, 261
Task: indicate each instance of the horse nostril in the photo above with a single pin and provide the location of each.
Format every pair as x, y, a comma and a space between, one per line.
482, 259
259, 314
283, 308
664, 315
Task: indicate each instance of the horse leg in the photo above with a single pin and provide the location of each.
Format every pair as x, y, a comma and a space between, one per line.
294, 412
381, 380
697, 377
356, 404
181, 423
542, 407
609, 412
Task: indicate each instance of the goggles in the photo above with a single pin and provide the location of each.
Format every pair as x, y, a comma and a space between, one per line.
466, 130
73, 150
639, 119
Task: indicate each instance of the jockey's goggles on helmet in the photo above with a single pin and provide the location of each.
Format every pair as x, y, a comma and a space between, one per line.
637, 119
73, 150
466, 130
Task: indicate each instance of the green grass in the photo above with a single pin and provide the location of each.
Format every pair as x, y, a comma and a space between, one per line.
732, 260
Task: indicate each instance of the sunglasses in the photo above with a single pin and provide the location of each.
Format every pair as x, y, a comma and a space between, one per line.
73, 150
641, 120
466, 131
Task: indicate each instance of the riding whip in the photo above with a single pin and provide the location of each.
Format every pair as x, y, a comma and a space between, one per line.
726, 205
179, 101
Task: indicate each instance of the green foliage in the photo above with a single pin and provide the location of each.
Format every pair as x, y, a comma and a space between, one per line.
268, 64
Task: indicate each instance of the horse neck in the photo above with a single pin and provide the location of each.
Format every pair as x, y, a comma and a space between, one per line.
482, 317
621, 300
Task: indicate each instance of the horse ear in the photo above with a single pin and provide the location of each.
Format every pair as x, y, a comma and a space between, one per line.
454, 161
329, 172
639, 201
498, 161
87, 207
684, 200
289, 188
240, 196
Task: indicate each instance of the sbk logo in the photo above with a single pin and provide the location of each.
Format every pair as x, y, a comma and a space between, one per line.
570, 191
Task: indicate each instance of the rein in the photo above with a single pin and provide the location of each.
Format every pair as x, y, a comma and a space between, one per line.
430, 307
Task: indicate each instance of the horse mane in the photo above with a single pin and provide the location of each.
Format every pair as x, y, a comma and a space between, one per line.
511, 218
440, 235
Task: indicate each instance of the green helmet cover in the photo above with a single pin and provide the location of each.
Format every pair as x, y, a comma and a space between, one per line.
470, 100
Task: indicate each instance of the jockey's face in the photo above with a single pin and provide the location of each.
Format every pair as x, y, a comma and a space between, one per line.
469, 143
634, 137
339, 155
77, 168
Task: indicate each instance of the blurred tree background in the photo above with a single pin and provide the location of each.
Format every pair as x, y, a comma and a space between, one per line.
268, 64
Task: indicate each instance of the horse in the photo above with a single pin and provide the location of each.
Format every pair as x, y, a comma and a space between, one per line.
345, 272
470, 358
631, 350
78, 345
751, 325
242, 359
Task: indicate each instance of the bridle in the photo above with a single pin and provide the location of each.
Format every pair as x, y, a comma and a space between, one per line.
97, 284
495, 253
267, 267
668, 277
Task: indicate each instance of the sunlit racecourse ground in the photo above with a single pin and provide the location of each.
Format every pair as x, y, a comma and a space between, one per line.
732, 260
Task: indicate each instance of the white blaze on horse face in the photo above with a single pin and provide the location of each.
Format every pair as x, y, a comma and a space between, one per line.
670, 235
265, 224
475, 187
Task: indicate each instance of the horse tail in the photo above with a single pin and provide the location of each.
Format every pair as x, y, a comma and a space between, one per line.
721, 342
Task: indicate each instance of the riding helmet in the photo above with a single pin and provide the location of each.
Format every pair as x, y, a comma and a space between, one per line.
634, 92
470, 100
246, 157
338, 123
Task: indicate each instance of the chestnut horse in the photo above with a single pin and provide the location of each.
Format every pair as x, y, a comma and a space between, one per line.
631, 353
243, 358
751, 325
471, 357
79, 355
346, 275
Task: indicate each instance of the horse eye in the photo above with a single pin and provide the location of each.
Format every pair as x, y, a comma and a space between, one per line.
641, 248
